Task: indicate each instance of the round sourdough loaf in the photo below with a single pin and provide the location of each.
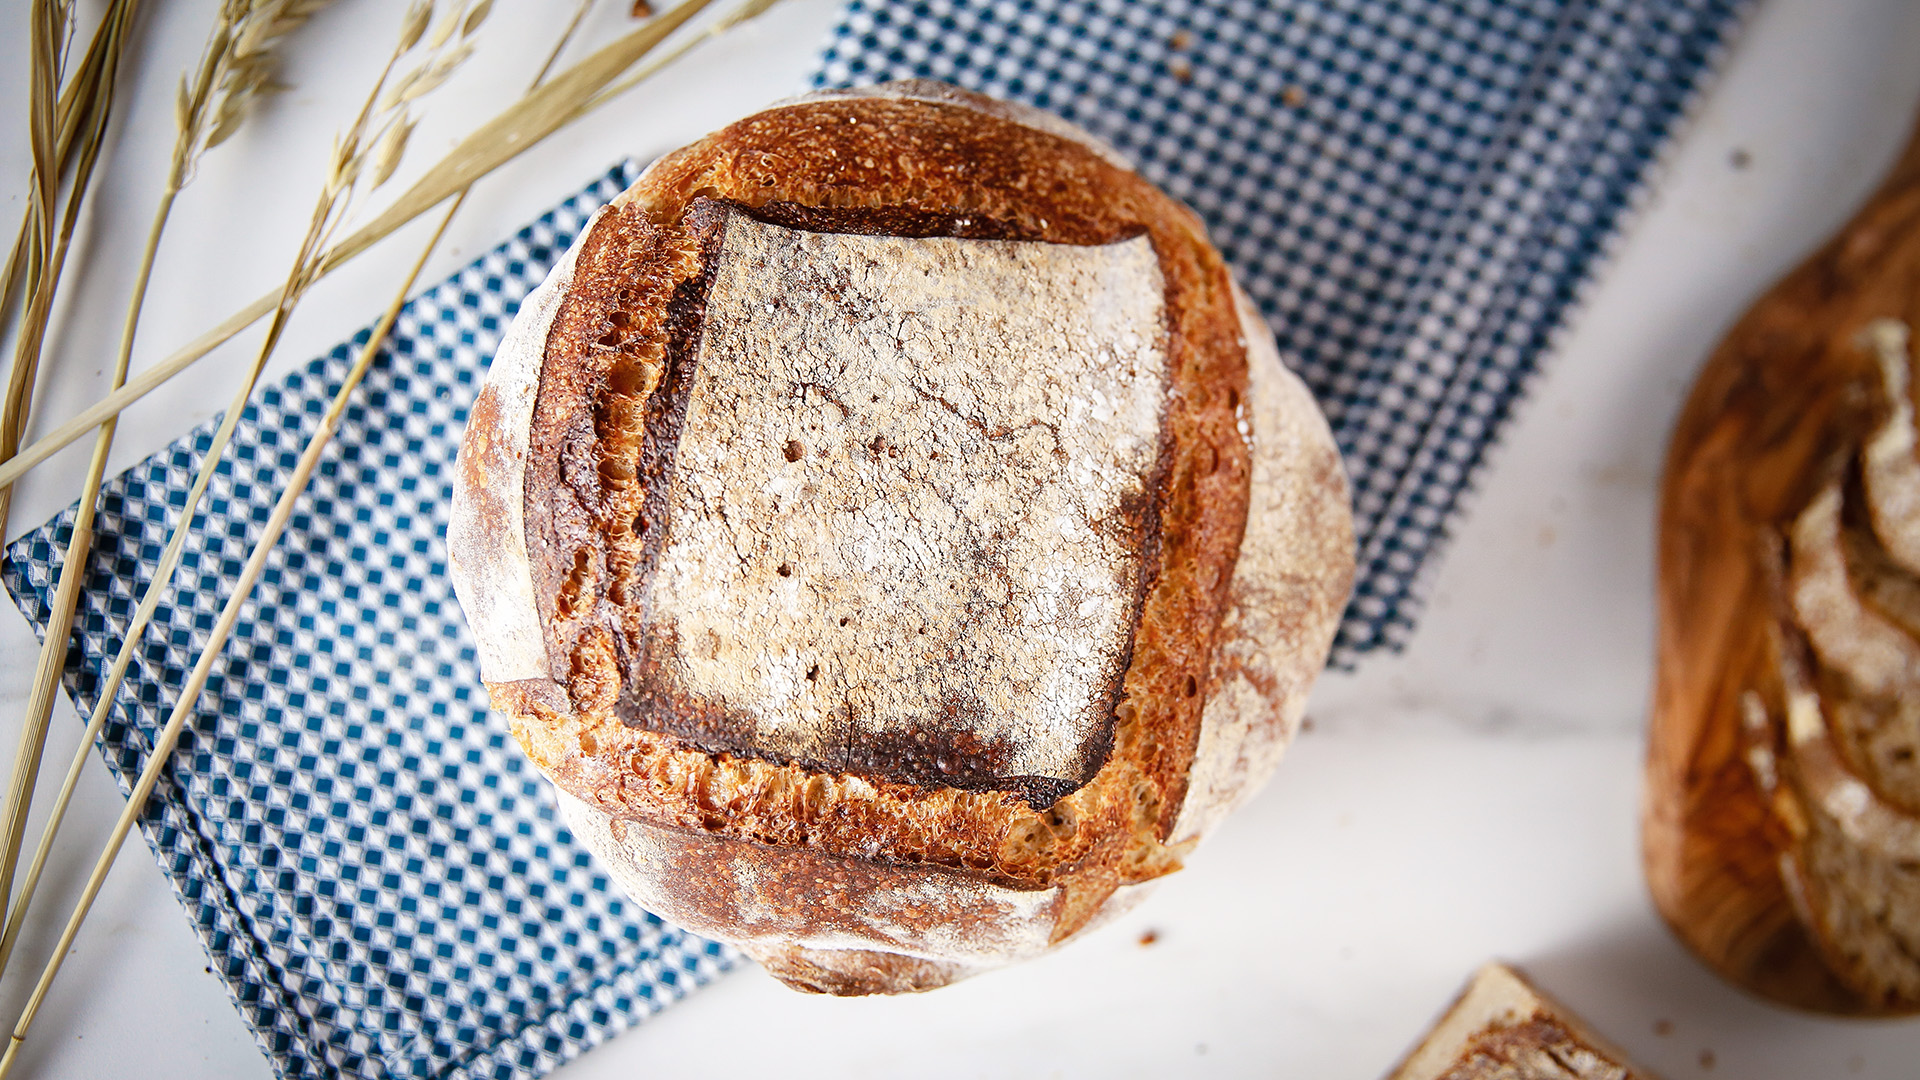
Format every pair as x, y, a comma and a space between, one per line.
852, 525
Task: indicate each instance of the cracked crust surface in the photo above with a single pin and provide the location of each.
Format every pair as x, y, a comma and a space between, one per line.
879, 554
1154, 492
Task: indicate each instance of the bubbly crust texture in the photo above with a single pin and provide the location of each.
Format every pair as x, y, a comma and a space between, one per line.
1138, 422
487, 522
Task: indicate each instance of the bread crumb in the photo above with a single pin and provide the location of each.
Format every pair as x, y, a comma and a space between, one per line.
1707, 1060
1293, 97
1180, 40
1663, 1028
1182, 71
1148, 937
642, 9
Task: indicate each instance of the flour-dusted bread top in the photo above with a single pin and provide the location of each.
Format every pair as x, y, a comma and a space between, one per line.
904, 531
882, 496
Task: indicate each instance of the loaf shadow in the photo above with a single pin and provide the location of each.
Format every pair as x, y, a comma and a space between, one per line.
1639, 988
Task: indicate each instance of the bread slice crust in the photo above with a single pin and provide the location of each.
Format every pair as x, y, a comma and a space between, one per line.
1502, 1027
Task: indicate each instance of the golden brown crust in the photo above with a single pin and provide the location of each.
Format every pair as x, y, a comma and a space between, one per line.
933, 164
1291, 582
486, 528
794, 900
855, 972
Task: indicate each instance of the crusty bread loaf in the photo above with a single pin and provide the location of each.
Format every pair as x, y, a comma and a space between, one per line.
1782, 828
1502, 1027
852, 528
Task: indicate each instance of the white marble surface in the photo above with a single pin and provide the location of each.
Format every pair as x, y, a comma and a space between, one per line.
1474, 797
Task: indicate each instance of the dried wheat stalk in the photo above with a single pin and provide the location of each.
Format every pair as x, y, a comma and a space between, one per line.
231, 72
46, 24
65, 142
243, 64
91, 92
360, 149
271, 21
575, 93
277, 523
64, 145
274, 526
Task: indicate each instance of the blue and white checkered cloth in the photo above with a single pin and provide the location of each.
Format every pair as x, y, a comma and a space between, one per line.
1415, 193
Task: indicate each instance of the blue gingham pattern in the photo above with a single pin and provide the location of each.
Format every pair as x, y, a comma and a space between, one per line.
372, 865
1414, 192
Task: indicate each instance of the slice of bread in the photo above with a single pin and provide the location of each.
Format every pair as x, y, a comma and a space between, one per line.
1852, 858
1502, 1027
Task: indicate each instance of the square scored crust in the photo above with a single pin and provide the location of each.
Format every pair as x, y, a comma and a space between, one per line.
905, 513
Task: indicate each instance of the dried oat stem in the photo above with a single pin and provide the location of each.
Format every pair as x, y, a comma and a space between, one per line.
93, 88
64, 145
75, 94
52, 134
229, 67
53, 647
578, 91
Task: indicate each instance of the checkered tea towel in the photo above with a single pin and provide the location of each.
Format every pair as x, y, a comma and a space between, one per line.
1414, 191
